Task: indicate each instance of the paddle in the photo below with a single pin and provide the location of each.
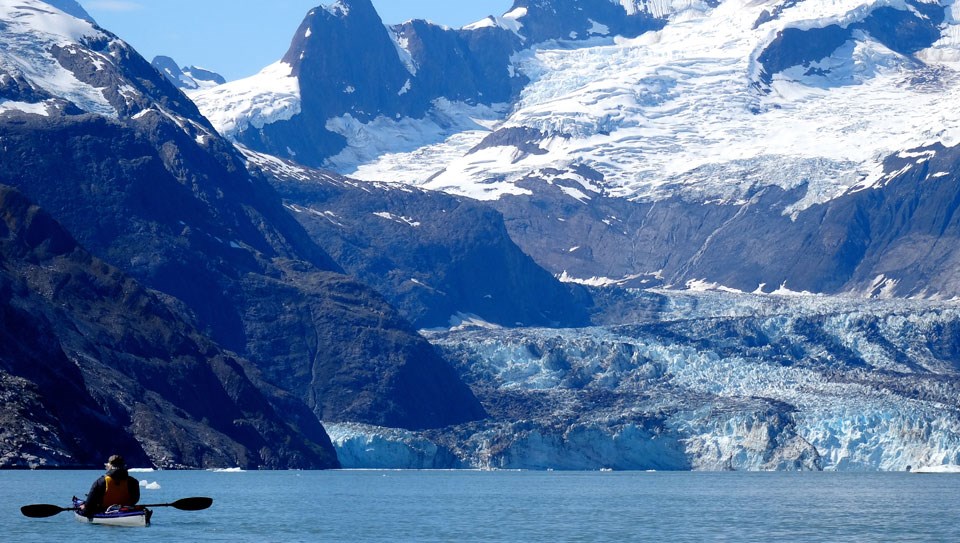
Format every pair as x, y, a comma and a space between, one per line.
43, 510
185, 504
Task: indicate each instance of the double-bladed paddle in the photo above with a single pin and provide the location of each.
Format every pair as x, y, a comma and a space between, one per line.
43, 510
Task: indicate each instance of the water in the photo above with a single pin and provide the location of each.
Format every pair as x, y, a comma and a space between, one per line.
466, 506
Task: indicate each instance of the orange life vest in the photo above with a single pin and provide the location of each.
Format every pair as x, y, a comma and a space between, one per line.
117, 492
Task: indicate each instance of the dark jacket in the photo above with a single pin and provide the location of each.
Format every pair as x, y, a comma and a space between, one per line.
94, 503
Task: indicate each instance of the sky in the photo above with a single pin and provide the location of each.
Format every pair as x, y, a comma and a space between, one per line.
236, 38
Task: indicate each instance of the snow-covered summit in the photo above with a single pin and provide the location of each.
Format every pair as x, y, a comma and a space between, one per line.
661, 97
351, 68
264, 98
56, 63
639, 139
33, 34
744, 93
337, 9
187, 78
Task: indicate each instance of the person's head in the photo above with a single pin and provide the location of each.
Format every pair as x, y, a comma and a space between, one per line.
115, 462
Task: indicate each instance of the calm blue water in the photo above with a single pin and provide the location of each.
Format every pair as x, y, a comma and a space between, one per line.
507, 506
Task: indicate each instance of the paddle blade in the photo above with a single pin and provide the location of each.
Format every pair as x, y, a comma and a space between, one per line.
192, 504
42, 510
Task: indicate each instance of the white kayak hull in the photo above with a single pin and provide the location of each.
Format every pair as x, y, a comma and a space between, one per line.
132, 521
126, 518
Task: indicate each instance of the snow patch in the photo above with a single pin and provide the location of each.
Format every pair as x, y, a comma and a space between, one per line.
32, 30
597, 29
882, 287
402, 45
700, 285
378, 150
39, 108
509, 21
565, 277
488, 22
401, 220
467, 321
267, 97
337, 9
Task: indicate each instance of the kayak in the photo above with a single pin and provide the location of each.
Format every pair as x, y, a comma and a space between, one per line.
115, 515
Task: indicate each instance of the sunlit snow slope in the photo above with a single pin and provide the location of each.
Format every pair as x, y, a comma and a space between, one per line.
696, 104
31, 34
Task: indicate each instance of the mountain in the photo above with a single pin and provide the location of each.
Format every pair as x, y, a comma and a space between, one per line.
92, 363
93, 134
344, 67
187, 78
441, 260
760, 171
688, 133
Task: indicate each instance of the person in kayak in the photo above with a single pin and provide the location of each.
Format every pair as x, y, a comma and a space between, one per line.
116, 487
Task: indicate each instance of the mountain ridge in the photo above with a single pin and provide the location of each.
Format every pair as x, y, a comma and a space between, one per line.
691, 120
125, 162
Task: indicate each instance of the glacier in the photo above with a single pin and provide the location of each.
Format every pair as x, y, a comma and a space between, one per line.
812, 99
727, 97
687, 110
709, 380
271, 95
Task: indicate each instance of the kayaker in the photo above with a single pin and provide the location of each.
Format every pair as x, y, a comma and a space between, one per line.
116, 487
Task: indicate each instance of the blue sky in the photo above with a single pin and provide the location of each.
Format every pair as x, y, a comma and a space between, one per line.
238, 37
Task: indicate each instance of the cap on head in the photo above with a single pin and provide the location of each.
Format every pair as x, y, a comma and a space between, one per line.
116, 461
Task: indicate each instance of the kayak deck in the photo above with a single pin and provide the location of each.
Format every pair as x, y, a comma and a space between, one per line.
116, 516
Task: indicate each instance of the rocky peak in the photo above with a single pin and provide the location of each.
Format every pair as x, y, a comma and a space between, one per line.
187, 78
542, 20
347, 62
69, 65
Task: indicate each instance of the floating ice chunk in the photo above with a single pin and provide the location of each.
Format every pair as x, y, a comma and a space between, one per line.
938, 469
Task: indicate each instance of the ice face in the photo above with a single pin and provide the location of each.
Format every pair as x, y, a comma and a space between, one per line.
719, 381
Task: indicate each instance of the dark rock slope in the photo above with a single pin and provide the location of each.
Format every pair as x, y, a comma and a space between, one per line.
896, 238
439, 259
156, 192
91, 363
